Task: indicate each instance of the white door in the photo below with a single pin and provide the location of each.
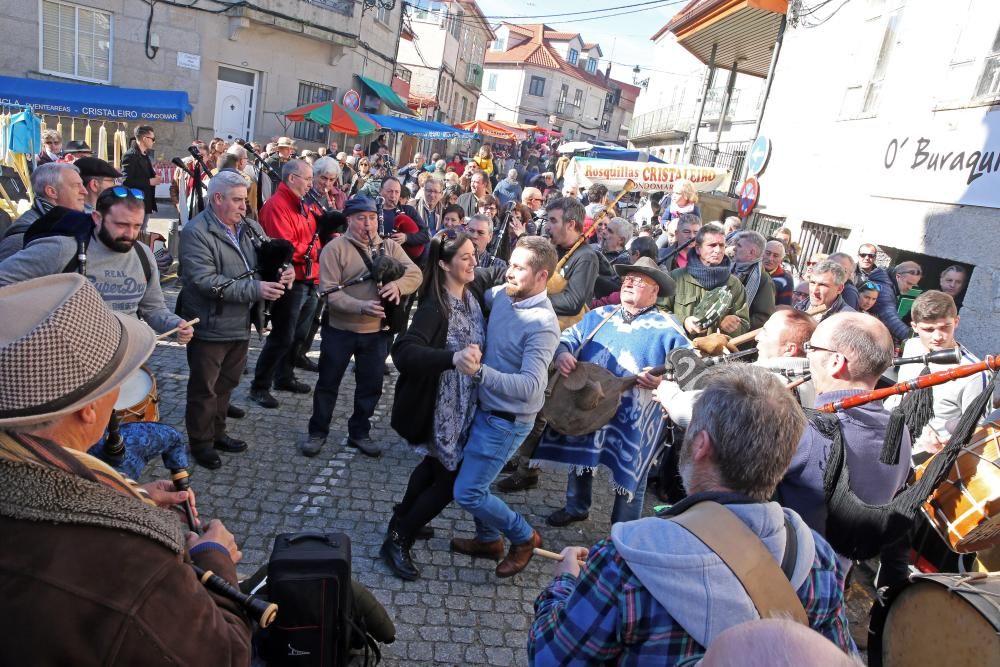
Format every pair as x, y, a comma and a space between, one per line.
233, 111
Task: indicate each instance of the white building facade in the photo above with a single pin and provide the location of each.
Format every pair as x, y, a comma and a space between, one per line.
885, 129
535, 75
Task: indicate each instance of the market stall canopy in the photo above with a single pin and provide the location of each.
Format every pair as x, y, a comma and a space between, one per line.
425, 129
335, 116
607, 152
584, 172
493, 129
57, 98
385, 93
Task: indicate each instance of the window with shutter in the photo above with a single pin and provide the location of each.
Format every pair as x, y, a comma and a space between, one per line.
75, 42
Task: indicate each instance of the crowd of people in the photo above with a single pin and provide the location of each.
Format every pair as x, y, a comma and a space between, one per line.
501, 298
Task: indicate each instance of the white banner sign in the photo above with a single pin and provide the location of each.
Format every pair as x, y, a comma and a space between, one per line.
953, 163
584, 172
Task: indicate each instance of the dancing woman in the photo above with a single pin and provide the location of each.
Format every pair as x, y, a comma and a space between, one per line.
434, 403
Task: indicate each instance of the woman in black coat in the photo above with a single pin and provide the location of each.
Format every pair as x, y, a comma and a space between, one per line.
434, 403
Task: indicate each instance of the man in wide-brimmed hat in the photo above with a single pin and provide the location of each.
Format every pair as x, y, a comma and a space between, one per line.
98, 572
283, 150
629, 339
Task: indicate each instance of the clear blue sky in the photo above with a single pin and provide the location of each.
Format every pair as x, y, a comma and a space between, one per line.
624, 39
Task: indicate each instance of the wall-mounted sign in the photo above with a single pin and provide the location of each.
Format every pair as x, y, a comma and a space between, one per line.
188, 60
760, 151
352, 100
749, 196
956, 162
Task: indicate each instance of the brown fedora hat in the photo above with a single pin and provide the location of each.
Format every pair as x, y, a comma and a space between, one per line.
648, 267
62, 348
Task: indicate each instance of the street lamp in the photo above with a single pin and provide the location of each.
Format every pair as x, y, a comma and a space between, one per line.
644, 83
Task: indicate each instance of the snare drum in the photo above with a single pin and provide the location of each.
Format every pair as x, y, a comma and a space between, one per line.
137, 399
938, 619
965, 508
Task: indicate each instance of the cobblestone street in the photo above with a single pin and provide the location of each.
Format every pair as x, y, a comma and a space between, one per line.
458, 613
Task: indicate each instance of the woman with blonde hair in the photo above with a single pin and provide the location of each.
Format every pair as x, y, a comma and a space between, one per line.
683, 199
362, 176
484, 159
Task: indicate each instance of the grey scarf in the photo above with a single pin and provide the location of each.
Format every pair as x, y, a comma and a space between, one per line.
708, 277
749, 275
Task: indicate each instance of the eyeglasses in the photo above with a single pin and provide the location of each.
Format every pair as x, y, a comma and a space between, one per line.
121, 191
477, 232
871, 285
150, 137
809, 347
867, 255
536, 199
638, 281
910, 273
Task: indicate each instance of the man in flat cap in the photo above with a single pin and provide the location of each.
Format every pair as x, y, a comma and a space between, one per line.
629, 339
98, 175
354, 325
99, 575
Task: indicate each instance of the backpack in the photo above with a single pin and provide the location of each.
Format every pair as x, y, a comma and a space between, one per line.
309, 578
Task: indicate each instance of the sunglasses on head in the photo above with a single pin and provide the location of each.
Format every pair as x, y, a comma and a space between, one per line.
870, 285
122, 192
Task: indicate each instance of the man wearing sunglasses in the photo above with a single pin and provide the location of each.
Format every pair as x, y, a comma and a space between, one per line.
122, 269
137, 165
885, 308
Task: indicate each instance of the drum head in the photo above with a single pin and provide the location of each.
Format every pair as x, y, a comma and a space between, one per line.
928, 624
134, 389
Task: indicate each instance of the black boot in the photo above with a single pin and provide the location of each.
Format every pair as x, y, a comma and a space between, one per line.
395, 552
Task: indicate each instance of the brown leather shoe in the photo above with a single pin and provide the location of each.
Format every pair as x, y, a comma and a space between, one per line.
518, 556
476, 549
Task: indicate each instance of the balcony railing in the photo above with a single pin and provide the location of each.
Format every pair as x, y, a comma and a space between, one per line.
661, 121
725, 155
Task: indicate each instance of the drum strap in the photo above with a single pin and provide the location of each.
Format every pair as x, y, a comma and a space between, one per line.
746, 556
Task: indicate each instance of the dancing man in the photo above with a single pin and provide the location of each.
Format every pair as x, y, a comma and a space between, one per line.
521, 336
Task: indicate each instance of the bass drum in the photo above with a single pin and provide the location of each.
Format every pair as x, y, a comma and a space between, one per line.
938, 619
965, 508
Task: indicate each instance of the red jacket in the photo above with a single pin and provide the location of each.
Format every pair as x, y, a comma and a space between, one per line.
285, 216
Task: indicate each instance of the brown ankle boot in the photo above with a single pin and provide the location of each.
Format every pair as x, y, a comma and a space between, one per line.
476, 549
518, 556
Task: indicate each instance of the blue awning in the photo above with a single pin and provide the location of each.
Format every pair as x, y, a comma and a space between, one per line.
612, 153
425, 129
57, 98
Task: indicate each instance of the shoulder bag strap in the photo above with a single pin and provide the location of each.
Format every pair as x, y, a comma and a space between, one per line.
744, 553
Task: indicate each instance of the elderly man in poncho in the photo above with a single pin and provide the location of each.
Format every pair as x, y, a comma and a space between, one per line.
629, 339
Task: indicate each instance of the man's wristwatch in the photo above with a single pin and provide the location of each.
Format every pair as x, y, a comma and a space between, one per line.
477, 377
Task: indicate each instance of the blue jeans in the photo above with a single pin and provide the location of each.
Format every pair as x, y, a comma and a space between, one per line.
492, 441
276, 360
335, 354
579, 494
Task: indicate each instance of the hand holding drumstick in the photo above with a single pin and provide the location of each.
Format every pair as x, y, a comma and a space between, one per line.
569, 560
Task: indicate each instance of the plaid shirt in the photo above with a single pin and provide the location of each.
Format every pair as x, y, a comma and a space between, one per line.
607, 616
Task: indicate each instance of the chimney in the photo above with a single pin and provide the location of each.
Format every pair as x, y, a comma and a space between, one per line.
607, 73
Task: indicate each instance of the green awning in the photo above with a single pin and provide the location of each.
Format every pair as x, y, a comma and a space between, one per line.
385, 93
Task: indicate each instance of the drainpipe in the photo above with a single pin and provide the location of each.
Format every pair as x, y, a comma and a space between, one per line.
704, 98
770, 72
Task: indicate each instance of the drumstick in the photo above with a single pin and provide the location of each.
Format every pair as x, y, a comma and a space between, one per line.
189, 323
552, 555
